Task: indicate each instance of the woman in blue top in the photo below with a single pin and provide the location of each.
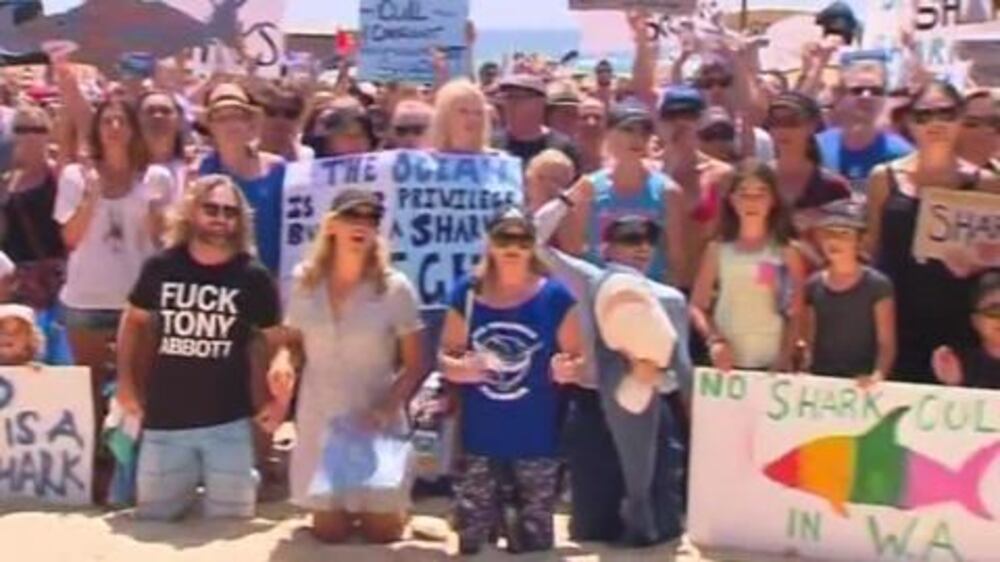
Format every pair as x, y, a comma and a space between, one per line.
510, 338
628, 187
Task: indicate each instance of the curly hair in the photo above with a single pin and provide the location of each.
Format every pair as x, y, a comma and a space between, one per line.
180, 217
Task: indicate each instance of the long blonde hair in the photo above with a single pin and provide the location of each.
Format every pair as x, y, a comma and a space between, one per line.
444, 113
180, 217
316, 264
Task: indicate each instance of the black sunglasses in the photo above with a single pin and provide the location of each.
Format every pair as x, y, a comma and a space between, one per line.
409, 130
945, 114
709, 83
214, 210
992, 311
358, 216
30, 130
718, 133
505, 239
786, 122
988, 121
282, 113
633, 239
873, 91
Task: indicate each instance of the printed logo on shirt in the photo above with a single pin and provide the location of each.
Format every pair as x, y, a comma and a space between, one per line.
197, 320
508, 349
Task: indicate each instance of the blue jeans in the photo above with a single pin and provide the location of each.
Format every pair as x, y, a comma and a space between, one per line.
172, 463
651, 455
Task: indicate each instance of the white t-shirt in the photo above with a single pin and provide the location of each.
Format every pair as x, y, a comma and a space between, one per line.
106, 263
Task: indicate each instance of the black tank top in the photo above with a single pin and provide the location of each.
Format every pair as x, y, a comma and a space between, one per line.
32, 233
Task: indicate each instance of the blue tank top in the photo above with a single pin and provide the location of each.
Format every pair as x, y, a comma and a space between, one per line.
264, 195
515, 414
607, 205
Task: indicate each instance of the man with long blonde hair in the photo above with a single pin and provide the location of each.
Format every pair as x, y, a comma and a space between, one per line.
208, 300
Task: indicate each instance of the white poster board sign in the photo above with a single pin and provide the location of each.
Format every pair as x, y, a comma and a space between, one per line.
819, 468
437, 208
958, 223
671, 7
46, 435
398, 37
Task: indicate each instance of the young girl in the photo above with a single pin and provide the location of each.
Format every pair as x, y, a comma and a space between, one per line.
754, 322
850, 310
499, 343
976, 367
20, 339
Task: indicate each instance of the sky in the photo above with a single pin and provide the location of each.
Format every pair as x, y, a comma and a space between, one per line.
488, 14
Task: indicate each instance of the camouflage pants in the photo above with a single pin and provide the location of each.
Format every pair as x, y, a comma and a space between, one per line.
485, 486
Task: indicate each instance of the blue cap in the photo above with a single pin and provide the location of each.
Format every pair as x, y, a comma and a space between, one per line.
681, 99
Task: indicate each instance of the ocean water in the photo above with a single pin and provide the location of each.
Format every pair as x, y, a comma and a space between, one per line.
493, 44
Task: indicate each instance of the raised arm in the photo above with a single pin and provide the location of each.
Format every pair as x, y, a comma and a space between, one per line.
646, 53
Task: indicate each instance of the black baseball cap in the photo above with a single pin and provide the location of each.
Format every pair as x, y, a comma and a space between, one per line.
632, 226
511, 215
627, 114
680, 100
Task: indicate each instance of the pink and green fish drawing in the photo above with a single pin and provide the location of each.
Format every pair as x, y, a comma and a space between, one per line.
874, 469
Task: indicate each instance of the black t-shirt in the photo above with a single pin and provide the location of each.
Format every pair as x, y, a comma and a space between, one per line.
526, 150
32, 233
980, 369
206, 316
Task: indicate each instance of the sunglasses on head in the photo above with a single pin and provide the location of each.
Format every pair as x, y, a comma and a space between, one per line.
986, 121
282, 113
709, 83
873, 91
30, 130
409, 130
506, 239
945, 114
215, 210
362, 216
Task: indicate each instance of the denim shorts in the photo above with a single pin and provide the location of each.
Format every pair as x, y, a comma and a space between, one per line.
87, 319
173, 463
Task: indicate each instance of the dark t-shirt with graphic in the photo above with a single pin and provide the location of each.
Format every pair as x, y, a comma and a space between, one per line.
206, 316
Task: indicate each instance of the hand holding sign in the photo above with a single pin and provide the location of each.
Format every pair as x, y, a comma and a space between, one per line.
947, 367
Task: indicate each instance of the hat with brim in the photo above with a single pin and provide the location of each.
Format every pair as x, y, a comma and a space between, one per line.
681, 100
229, 96
628, 115
632, 226
353, 198
843, 213
794, 101
18, 311
524, 82
511, 216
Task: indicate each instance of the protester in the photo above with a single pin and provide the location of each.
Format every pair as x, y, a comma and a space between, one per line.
489, 73
340, 128
161, 123
526, 135
979, 141
855, 148
726, 80
562, 108
850, 321
208, 300
976, 366
590, 134
409, 124
717, 135
506, 327
460, 123
6, 126
754, 320
32, 238
232, 121
630, 492
629, 187
362, 334
546, 176
604, 79
925, 320
283, 108
21, 342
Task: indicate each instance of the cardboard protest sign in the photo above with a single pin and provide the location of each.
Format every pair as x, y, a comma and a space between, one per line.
672, 7
46, 434
398, 37
965, 223
437, 208
106, 29
819, 468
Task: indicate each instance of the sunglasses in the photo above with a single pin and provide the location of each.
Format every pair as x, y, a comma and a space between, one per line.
717, 134
986, 121
709, 83
633, 239
873, 91
787, 122
943, 114
504, 239
991, 311
215, 210
358, 216
30, 130
282, 113
409, 130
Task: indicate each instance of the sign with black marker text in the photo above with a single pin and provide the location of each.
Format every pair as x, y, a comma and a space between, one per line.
398, 36
958, 224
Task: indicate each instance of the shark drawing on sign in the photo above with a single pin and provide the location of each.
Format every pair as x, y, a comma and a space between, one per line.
874, 469
104, 29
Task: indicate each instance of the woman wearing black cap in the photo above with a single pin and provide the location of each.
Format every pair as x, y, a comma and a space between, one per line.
363, 336
340, 128
510, 339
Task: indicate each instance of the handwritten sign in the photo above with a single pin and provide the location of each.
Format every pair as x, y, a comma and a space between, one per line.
398, 37
46, 434
672, 7
958, 223
818, 468
437, 208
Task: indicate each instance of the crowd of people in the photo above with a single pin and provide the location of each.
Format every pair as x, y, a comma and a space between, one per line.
760, 229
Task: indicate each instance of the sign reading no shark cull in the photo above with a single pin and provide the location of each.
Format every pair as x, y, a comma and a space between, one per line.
437, 207
962, 223
665, 7
398, 37
46, 435
820, 468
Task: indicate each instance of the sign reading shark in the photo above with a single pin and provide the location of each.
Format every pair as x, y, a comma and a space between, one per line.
103, 30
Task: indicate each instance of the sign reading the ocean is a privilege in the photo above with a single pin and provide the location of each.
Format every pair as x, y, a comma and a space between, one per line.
821, 468
674, 7
965, 224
